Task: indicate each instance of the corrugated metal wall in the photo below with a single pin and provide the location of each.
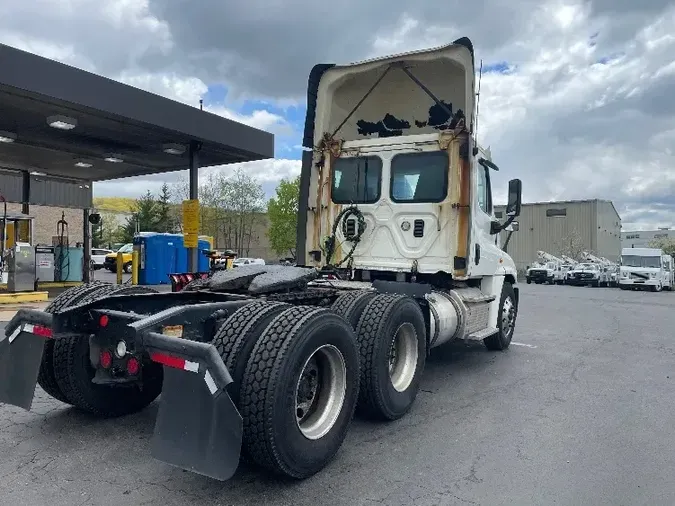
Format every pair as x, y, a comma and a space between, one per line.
608, 231
540, 229
47, 191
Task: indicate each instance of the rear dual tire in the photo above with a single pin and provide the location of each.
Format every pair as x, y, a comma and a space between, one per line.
299, 391
68, 298
73, 371
393, 349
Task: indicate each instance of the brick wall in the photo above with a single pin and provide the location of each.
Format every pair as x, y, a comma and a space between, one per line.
46, 217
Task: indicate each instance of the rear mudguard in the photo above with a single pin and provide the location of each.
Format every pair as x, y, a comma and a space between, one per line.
198, 427
21, 351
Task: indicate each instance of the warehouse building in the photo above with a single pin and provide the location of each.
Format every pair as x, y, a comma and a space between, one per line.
567, 228
642, 238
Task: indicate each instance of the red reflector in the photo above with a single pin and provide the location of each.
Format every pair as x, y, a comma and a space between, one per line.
39, 330
133, 366
105, 359
168, 360
103, 320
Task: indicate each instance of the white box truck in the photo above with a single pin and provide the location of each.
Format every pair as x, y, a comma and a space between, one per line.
646, 268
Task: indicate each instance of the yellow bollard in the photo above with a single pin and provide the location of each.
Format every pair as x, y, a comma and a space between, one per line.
134, 267
120, 267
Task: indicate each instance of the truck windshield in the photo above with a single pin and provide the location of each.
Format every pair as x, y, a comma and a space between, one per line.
419, 177
127, 248
356, 180
639, 261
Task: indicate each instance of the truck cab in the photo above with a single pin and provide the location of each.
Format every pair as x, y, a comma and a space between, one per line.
544, 273
587, 273
396, 187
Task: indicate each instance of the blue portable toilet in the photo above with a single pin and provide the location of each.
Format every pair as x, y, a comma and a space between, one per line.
182, 264
181, 256
204, 245
164, 254
146, 258
157, 257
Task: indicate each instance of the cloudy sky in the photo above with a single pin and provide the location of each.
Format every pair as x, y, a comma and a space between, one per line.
578, 99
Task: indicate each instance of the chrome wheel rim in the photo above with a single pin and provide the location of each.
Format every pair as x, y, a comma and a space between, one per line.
403, 357
508, 318
320, 392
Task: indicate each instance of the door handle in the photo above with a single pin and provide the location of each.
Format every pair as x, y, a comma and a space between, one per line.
477, 253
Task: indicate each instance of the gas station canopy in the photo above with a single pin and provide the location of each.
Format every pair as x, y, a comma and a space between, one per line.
66, 122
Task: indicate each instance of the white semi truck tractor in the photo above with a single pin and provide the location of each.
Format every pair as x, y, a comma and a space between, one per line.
397, 253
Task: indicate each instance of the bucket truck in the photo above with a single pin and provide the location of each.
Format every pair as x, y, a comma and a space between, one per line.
552, 270
593, 271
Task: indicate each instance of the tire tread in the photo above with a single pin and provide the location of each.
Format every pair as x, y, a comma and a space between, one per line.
261, 372
46, 378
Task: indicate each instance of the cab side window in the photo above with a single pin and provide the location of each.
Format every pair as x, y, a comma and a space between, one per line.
483, 190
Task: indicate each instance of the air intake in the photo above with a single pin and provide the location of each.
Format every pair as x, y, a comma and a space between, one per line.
418, 228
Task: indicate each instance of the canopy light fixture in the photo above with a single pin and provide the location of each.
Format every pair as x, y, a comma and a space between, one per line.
7, 137
36, 173
62, 122
174, 149
114, 159
83, 165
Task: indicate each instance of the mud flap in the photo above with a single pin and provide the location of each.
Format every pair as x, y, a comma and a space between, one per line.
195, 429
20, 357
198, 427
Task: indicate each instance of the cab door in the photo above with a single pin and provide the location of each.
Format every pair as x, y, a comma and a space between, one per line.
485, 252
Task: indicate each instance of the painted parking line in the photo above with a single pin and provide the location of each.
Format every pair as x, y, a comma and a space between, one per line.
523, 344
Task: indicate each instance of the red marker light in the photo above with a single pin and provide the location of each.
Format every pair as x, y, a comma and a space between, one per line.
103, 320
39, 330
133, 366
105, 359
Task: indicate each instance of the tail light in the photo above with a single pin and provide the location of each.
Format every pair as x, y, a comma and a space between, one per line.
105, 359
133, 366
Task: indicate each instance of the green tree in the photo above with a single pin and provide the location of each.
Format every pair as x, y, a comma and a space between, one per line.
144, 218
163, 212
667, 244
108, 231
242, 202
282, 212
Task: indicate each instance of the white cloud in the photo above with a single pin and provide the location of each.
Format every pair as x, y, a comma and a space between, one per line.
267, 172
587, 109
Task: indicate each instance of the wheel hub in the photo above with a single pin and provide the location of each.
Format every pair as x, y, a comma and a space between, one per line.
320, 392
403, 357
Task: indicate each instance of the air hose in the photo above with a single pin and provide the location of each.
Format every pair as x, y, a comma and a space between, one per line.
63, 260
353, 237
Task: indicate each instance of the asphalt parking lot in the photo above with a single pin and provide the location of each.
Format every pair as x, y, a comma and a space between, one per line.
578, 411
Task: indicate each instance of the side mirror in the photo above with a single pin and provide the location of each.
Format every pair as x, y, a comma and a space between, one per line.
488, 164
515, 195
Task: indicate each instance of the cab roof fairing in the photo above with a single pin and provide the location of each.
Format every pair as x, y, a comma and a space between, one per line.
325, 79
